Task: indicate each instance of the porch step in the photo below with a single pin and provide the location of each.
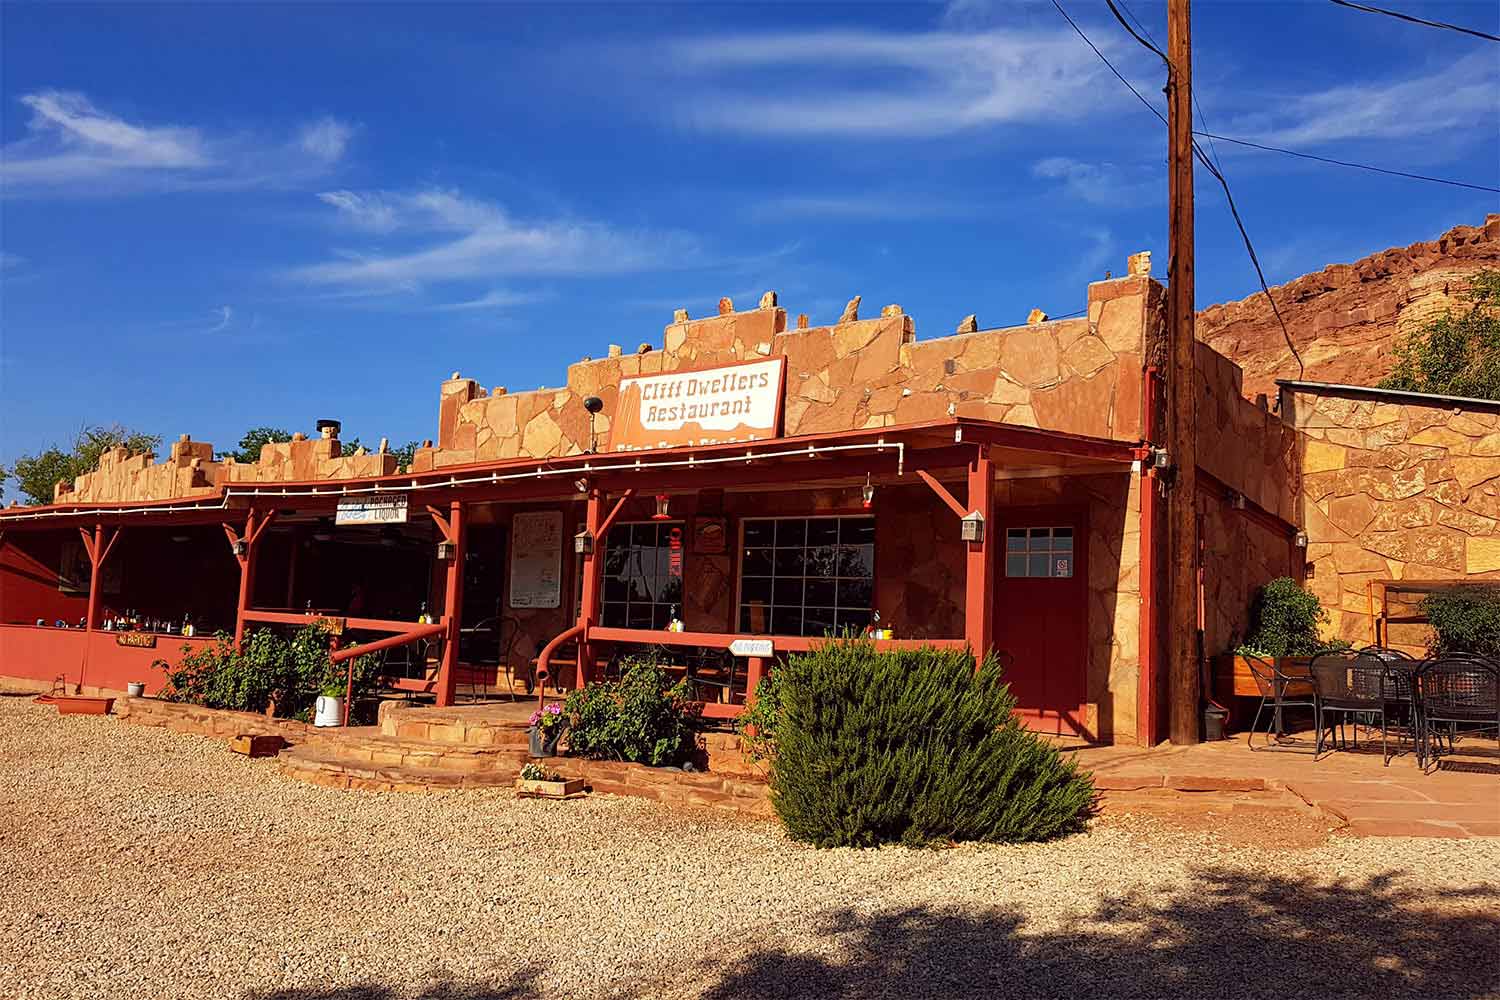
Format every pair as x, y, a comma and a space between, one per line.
367, 745
333, 767
502, 725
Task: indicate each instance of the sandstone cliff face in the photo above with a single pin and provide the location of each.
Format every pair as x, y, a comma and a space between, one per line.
1343, 318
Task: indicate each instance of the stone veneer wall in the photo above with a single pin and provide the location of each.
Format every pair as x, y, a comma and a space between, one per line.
1344, 318
191, 471
1242, 444
1080, 376
1392, 490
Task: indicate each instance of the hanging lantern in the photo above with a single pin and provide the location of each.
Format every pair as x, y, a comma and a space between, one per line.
868, 492
661, 508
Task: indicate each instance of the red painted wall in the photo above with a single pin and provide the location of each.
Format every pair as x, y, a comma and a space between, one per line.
44, 654
28, 580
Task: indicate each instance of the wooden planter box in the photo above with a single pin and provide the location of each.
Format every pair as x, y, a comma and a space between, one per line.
1233, 681
70, 704
528, 788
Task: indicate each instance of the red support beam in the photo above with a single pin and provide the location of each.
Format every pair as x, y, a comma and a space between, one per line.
979, 578
596, 523
1147, 724
255, 526
453, 596
943, 493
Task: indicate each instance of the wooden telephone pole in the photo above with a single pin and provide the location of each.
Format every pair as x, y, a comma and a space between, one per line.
1184, 675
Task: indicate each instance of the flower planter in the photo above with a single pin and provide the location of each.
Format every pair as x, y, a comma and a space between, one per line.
136, 689
544, 743
68, 704
532, 788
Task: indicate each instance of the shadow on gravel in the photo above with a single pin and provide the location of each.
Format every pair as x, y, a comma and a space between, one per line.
1227, 937
521, 984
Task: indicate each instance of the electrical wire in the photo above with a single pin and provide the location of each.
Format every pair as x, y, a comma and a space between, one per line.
1347, 163
1417, 20
1207, 165
1202, 118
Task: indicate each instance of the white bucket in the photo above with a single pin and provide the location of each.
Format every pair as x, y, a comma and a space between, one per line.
136, 689
328, 711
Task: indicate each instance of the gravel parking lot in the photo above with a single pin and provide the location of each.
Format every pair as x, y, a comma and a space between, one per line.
143, 863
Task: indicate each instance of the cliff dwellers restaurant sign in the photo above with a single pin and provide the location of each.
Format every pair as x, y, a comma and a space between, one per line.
715, 406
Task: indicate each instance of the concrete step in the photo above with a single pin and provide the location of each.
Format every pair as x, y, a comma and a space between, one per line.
320, 765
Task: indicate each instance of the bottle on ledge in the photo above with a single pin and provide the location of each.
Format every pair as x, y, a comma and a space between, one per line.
424, 617
187, 624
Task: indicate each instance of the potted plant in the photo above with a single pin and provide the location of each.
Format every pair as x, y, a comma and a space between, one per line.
328, 710
1286, 630
547, 725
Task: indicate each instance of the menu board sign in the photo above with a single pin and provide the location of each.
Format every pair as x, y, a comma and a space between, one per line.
740, 402
536, 559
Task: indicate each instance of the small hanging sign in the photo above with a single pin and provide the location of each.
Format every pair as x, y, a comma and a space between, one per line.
141, 640
377, 508
751, 647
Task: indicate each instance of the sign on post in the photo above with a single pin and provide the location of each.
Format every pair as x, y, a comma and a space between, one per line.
739, 402
377, 508
751, 647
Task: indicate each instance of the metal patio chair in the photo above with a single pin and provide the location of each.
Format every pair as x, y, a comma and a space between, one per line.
1278, 692
1457, 690
1362, 684
711, 668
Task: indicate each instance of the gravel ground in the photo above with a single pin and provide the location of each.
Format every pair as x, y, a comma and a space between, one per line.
143, 863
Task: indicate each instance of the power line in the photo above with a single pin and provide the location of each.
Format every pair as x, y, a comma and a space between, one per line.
1207, 165
1417, 20
1202, 118
1347, 163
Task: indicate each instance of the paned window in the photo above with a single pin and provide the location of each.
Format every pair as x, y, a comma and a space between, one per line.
1039, 552
807, 576
642, 574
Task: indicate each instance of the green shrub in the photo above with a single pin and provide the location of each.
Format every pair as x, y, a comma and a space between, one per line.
643, 717
757, 727
291, 673
1286, 619
913, 747
1464, 620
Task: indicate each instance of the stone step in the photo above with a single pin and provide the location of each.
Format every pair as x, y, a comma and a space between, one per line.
320, 766
367, 745
433, 726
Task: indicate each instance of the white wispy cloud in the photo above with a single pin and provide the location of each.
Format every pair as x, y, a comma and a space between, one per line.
882, 84
438, 235
494, 299
225, 314
1102, 183
1460, 96
874, 207
73, 147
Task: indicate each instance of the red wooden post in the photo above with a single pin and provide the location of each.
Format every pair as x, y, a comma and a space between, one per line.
755, 668
453, 596
979, 583
588, 605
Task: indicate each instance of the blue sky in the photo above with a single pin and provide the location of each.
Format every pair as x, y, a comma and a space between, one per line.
219, 216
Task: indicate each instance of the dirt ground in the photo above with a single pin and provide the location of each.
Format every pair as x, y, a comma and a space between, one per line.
143, 863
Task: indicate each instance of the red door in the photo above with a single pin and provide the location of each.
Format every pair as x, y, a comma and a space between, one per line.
1041, 613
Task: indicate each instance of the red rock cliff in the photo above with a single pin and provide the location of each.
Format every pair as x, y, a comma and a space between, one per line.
1344, 317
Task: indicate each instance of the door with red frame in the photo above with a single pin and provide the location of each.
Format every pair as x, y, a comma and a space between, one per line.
1041, 613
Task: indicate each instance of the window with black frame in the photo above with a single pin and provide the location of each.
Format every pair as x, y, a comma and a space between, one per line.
807, 576
642, 574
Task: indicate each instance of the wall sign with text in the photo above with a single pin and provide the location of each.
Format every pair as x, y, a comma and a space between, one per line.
536, 559
740, 402
377, 508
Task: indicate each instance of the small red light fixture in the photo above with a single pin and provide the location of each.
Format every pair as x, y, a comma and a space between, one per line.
661, 508
868, 493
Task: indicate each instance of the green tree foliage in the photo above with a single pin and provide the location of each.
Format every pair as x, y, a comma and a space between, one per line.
255, 437
913, 747
643, 717
1456, 354
1464, 620
1286, 620
270, 668
36, 475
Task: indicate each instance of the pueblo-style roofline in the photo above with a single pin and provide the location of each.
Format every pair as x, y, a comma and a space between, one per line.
948, 441
1391, 395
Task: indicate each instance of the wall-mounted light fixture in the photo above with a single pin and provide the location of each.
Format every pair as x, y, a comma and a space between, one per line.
1160, 459
1301, 539
868, 493
446, 551
593, 404
971, 527
662, 514
581, 485
583, 543
240, 547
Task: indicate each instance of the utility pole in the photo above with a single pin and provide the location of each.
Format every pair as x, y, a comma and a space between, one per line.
1183, 673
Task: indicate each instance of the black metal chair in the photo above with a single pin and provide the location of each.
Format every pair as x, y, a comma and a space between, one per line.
711, 668
1363, 683
1278, 691
1457, 689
